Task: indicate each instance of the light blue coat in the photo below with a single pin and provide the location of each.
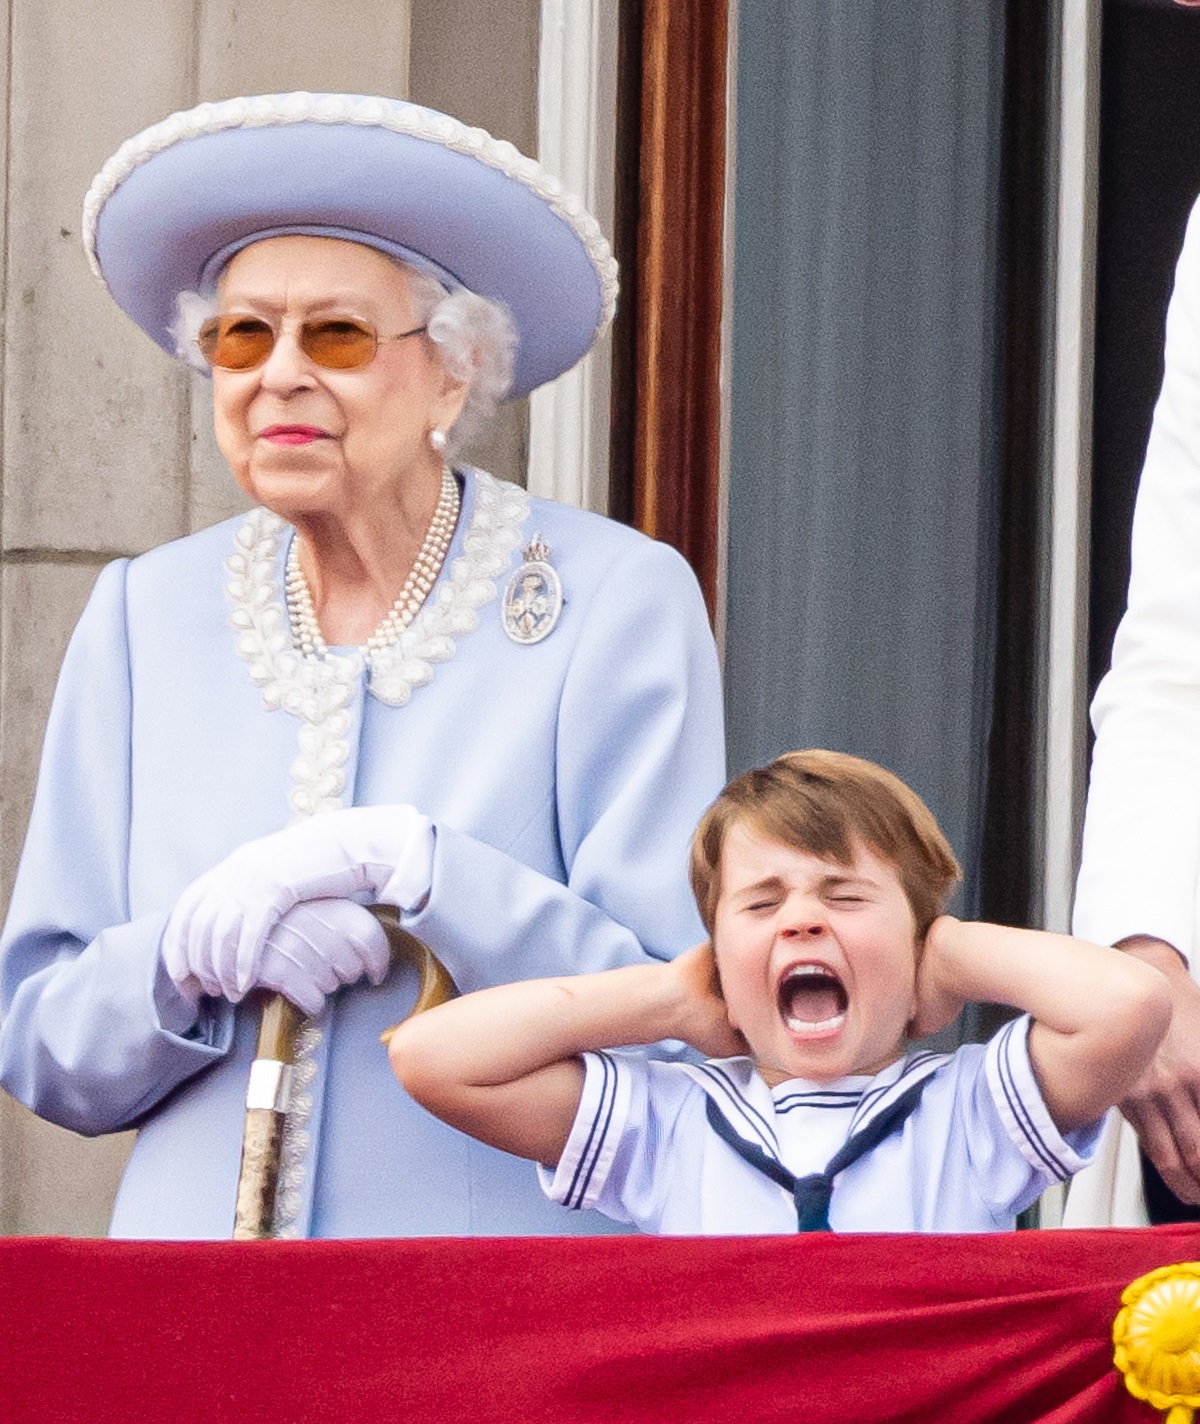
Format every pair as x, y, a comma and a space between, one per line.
564, 779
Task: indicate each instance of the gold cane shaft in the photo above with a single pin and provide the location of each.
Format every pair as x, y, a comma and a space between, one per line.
270, 1079
266, 1115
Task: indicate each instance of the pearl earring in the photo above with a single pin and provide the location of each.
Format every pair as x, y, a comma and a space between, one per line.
437, 438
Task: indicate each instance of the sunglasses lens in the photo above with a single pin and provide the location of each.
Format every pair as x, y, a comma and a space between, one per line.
339, 344
235, 343
239, 343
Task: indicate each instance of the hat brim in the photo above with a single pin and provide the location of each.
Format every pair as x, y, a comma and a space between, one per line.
490, 219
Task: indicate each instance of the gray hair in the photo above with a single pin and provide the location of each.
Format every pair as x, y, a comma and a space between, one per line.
475, 338
477, 341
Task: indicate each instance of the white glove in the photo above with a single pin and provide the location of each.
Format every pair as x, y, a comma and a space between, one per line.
320, 945
316, 947
218, 931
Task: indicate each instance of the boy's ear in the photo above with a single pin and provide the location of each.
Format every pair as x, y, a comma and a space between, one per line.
718, 982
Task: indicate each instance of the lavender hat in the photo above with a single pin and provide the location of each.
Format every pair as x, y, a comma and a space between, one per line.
175, 202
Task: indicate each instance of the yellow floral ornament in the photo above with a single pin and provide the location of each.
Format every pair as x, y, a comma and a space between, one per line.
1157, 1339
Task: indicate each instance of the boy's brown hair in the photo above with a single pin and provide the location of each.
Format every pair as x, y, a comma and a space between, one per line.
821, 802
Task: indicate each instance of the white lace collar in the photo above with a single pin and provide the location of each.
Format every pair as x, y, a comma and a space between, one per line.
319, 690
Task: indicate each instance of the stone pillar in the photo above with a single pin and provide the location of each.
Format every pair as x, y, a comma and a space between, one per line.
107, 446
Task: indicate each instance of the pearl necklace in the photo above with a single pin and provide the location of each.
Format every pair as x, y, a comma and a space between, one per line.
306, 631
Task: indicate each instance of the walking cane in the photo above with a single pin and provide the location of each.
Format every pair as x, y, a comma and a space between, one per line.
269, 1090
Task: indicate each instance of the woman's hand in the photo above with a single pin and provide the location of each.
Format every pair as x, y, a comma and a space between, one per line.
704, 1018
317, 947
1164, 1107
218, 932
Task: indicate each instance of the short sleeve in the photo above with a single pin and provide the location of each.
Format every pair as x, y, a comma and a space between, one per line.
1017, 1100
620, 1157
997, 1148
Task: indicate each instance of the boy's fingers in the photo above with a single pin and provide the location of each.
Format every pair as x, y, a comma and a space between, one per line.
935, 1009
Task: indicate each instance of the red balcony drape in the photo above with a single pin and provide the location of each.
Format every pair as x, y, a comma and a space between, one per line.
807, 1330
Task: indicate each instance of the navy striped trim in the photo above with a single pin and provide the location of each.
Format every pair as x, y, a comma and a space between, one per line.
878, 1099
589, 1156
839, 1102
769, 1166
759, 1126
1041, 1148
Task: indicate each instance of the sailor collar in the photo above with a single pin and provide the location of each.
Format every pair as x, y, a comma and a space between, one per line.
744, 1100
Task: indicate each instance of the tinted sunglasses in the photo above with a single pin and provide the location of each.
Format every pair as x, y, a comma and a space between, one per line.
339, 343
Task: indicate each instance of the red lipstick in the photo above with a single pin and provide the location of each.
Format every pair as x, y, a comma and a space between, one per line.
292, 434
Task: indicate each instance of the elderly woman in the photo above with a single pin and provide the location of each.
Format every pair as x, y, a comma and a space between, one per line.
395, 681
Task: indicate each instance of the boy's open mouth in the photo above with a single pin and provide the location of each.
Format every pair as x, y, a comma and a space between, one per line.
812, 997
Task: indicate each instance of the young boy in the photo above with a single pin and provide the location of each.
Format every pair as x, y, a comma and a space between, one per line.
822, 880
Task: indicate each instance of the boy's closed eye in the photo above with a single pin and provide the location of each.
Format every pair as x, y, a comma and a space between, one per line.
759, 898
759, 907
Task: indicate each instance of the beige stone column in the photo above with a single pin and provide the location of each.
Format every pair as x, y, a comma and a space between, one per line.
106, 445
479, 61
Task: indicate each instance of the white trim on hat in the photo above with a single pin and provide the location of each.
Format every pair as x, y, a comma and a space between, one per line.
141, 288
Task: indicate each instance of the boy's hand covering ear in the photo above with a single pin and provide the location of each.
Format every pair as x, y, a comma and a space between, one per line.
705, 1022
936, 1002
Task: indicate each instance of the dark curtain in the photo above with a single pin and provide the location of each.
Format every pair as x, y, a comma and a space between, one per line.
893, 290
867, 392
1149, 178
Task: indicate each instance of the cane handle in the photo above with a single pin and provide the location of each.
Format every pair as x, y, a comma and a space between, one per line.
434, 984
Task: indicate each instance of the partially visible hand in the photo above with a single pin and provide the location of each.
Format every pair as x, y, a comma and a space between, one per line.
705, 1024
318, 946
217, 931
937, 1002
1164, 1108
